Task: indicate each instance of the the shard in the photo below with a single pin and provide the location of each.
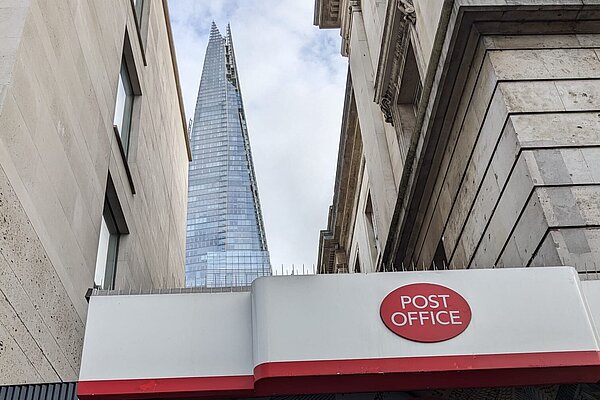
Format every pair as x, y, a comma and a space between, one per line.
226, 243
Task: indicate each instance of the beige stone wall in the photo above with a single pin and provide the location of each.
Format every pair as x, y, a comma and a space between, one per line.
427, 21
512, 180
519, 182
375, 137
58, 81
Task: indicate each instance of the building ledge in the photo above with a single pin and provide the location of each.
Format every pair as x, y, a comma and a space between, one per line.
327, 14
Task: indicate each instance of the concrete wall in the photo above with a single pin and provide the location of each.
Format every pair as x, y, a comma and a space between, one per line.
384, 151
427, 21
384, 155
378, 162
58, 81
519, 183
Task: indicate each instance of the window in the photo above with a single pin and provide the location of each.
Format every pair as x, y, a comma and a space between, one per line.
408, 98
372, 232
124, 107
139, 6
127, 116
141, 13
112, 228
357, 263
108, 247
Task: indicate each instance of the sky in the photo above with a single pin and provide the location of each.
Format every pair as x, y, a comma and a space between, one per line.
292, 80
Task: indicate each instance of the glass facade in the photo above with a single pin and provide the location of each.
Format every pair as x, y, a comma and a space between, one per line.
226, 243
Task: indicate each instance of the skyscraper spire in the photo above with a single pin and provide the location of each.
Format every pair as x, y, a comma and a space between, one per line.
214, 29
226, 241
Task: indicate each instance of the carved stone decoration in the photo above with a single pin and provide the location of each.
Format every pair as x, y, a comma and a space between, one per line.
407, 8
401, 14
386, 104
400, 43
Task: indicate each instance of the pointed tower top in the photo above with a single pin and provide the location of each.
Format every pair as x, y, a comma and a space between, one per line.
229, 29
214, 31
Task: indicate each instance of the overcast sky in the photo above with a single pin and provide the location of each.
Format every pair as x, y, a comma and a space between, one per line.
293, 79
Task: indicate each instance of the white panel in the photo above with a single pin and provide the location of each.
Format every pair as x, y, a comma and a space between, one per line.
591, 291
169, 335
335, 317
329, 317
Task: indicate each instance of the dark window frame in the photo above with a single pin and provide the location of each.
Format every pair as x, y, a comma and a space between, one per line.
141, 14
124, 132
408, 95
113, 217
127, 141
372, 234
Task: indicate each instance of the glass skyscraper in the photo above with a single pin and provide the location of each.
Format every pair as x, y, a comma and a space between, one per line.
226, 243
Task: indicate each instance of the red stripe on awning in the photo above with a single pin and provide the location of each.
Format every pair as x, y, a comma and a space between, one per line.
364, 375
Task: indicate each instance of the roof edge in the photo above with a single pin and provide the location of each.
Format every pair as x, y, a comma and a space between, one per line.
177, 80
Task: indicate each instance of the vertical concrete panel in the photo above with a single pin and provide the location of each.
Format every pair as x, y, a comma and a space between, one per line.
528, 233
378, 163
428, 16
523, 96
14, 365
505, 216
478, 161
579, 95
440, 199
578, 247
373, 12
547, 254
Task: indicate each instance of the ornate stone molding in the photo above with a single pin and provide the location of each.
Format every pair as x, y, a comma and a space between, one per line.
396, 53
399, 17
386, 104
407, 8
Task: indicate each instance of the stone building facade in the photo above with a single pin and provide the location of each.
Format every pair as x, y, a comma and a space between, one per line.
93, 170
470, 135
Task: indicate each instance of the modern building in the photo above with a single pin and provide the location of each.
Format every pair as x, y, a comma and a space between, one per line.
469, 136
226, 242
93, 171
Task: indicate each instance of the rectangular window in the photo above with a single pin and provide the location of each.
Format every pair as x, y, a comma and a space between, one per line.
108, 247
141, 12
372, 232
112, 228
127, 115
407, 102
124, 107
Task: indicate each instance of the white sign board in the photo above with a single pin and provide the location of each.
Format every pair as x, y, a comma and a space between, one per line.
329, 333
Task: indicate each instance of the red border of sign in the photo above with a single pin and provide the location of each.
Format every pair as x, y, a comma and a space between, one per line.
364, 375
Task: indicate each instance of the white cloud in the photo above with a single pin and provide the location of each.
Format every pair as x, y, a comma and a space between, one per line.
293, 78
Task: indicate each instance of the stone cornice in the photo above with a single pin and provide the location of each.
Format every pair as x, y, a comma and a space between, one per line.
327, 14
186, 134
400, 14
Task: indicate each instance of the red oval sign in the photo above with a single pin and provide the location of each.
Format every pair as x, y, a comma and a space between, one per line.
425, 312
